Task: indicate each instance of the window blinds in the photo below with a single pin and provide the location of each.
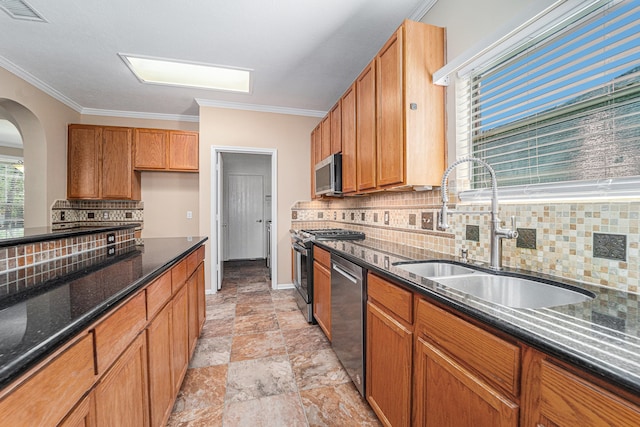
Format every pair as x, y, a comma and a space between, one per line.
11, 195
563, 107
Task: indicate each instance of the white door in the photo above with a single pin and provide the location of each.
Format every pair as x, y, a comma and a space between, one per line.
221, 225
246, 216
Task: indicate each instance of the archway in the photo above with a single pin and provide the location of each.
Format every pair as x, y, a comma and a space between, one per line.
35, 161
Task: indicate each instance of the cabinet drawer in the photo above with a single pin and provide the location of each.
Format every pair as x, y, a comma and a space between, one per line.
399, 301
46, 397
178, 275
118, 330
322, 256
158, 293
491, 357
566, 399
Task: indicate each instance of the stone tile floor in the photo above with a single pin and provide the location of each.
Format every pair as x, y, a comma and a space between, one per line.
259, 363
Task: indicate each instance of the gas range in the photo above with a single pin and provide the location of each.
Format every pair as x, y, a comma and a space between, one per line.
308, 236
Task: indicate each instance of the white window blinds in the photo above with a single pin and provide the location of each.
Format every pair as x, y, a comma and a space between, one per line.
563, 107
11, 196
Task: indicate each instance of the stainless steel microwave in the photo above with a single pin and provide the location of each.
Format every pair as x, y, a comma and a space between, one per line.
328, 176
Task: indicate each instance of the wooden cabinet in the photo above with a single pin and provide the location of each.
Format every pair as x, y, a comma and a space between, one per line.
464, 376
325, 145
45, 396
336, 128
556, 397
121, 396
180, 334
169, 150
410, 127
389, 351
348, 140
194, 320
312, 163
83, 415
99, 163
161, 382
322, 289
366, 129
202, 300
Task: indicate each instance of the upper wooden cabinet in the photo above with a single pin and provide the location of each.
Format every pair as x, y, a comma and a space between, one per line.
410, 127
348, 121
325, 147
99, 163
336, 128
366, 129
157, 149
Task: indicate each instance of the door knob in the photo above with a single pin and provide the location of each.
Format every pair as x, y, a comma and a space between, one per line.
259, 220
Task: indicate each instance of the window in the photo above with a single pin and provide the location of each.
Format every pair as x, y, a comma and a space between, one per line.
564, 107
11, 197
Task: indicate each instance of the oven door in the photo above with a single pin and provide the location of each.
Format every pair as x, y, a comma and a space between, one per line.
301, 271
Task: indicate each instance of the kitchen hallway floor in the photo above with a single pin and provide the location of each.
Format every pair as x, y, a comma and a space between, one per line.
258, 363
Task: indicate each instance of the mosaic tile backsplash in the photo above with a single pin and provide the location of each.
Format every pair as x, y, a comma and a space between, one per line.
75, 213
570, 238
24, 266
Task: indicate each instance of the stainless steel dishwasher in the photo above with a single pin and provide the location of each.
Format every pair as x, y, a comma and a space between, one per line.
347, 317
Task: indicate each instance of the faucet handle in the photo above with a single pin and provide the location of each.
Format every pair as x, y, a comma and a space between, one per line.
514, 229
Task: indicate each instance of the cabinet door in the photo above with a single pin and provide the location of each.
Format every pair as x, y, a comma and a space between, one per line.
322, 297
390, 125
150, 149
349, 159
83, 415
161, 385
325, 147
122, 395
448, 395
194, 322
312, 155
180, 331
183, 151
366, 128
83, 162
389, 345
336, 129
117, 168
202, 298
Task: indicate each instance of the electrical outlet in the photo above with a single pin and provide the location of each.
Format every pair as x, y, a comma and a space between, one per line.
91, 215
386, 217
111, 238
105, 215
62, 215
189, 214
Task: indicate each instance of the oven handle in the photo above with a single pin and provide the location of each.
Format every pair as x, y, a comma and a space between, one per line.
299, 248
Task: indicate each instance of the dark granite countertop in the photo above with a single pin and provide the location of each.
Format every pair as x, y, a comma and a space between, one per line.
601, 336
34, 324
41, 234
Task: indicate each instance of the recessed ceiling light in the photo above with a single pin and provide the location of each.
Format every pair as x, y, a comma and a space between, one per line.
176, 73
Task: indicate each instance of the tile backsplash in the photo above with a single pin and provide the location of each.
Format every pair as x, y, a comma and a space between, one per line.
78, 213
563, 239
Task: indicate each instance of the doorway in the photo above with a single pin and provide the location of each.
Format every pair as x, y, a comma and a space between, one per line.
243, 205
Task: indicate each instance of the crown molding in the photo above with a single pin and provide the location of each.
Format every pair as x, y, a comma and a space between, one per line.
261, 108
33, 80
422, 10
139, 115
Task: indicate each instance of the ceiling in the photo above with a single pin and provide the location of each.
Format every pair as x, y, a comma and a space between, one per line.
303, 54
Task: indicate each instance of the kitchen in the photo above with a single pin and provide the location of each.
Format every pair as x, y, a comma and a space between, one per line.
290, 135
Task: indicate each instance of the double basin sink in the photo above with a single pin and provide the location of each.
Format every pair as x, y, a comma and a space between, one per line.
510, 291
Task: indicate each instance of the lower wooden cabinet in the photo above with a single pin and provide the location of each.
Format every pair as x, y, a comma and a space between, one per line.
389, 351
161, 383
448, 395
83, 415
180, 331
322, 290
194, 318
556, 397
121, 396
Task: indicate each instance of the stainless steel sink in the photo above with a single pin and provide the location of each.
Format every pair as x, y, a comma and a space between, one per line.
513, 291
432, 269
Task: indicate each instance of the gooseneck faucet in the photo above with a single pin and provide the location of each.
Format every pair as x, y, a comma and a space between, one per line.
497, 232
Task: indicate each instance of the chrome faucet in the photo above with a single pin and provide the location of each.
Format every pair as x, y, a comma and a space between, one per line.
497, 232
